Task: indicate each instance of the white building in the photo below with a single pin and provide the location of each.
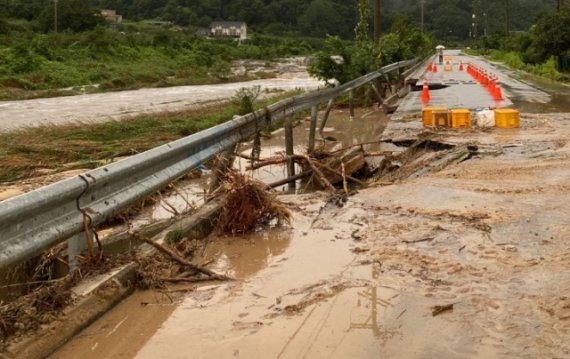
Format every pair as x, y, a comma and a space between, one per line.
231, 29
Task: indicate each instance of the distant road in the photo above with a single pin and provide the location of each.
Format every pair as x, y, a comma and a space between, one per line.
91, 108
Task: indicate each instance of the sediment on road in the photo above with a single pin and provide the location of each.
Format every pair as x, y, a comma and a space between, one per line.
459, 248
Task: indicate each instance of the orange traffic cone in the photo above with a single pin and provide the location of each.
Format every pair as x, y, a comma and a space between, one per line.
485, 79
461, 66
491, 87
425, 93
498, 95
434, 68
429, 68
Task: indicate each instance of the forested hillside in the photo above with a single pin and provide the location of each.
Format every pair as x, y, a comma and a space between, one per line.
447, 19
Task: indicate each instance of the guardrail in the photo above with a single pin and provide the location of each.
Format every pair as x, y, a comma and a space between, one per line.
35, 221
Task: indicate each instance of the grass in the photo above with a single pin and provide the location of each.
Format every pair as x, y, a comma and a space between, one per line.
38, 65
514, 60
33, 152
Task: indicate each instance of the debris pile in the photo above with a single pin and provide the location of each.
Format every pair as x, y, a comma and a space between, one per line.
248, 205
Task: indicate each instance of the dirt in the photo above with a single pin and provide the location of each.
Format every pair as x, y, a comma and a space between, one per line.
481, 243
464, 259
119, 335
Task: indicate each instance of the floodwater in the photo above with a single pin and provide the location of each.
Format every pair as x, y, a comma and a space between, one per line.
341, 131
559, 94
91, 108
278, 273
487, 237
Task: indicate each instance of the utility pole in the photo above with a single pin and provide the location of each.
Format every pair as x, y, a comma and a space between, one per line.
508, 10
55, 16
377, 21
423, 2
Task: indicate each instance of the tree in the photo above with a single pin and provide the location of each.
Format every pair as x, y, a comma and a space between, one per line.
72, 15
362, 29
321, 19
552, 34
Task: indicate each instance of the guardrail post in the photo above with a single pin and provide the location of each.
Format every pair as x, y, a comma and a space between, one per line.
313, 128
225, 161
326, 116
351, 103
377, 92
75, 245
49, 215
289, 150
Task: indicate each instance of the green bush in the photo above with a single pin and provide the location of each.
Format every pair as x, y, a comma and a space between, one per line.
515, 60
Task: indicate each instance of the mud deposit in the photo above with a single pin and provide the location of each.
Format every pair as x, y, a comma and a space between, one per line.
488, 235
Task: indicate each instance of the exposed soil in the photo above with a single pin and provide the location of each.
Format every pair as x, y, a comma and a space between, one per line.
458, 249
467, 260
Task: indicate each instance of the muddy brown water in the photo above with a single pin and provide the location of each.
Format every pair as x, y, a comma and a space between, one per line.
365, 126
487, 236
341, 131
559, 93
350, 282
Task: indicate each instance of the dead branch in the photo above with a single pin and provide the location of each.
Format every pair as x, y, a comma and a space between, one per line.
328, 168
420, 240
438, 309
268, 162
344, 183
183, 262
189, 279
179, 192
167, 206
289, 179
319, 175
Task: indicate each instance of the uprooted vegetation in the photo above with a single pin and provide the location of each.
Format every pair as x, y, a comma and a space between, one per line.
248, 205
45, 300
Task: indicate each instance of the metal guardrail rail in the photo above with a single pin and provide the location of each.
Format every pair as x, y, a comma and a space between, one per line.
33, 222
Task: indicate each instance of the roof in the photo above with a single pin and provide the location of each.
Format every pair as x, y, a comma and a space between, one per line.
227, 24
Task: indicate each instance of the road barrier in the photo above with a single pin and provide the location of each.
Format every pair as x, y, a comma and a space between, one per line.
33, 222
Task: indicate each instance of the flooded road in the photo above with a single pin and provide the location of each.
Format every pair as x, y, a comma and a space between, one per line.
485, 237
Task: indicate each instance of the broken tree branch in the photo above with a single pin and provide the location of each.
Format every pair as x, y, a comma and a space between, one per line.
438, 309
319, 175
289, 179
420, 240
344, 183
328, 168
183, 262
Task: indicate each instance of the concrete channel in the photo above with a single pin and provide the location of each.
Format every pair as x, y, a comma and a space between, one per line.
458, 250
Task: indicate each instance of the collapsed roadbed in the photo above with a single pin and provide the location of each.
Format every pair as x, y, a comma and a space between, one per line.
457, 249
